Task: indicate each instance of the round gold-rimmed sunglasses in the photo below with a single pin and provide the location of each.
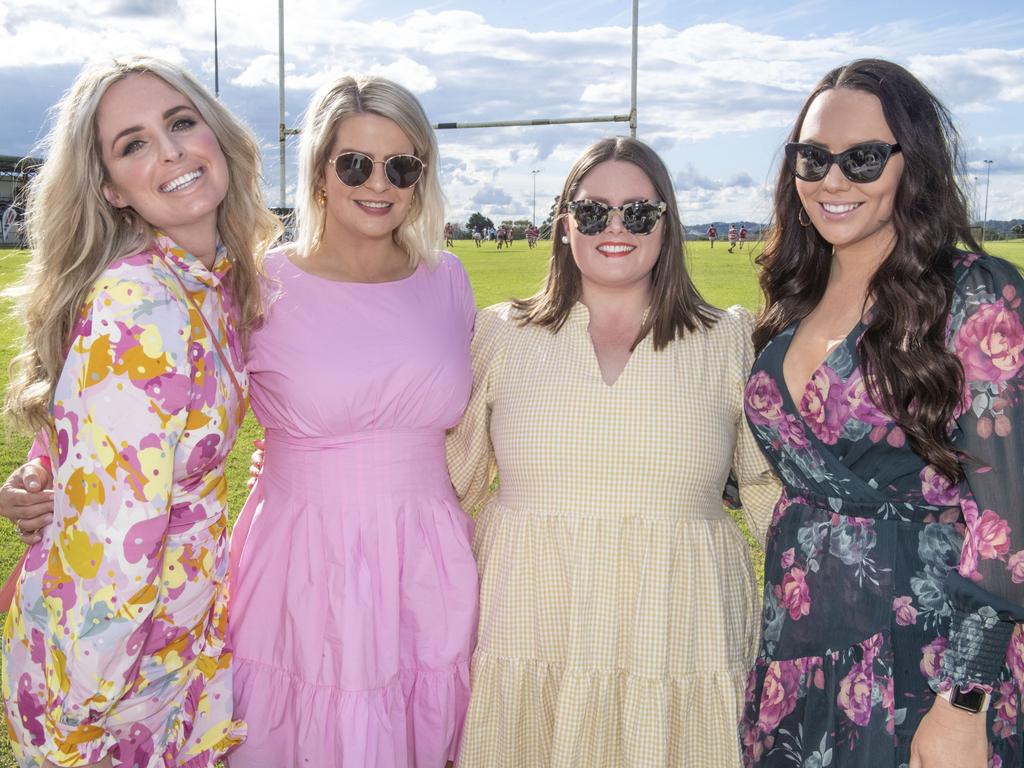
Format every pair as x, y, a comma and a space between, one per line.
355, 168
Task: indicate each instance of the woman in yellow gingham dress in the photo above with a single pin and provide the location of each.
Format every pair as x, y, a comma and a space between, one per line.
619, 609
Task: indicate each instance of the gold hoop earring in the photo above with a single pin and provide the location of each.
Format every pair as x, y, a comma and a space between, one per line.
800, 218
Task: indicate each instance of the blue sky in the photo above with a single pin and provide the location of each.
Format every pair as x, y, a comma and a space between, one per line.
719, 87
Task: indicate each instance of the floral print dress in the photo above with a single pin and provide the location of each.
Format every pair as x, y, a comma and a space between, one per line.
884, 583
116, 640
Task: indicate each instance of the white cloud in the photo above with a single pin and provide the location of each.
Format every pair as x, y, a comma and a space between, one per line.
720, 81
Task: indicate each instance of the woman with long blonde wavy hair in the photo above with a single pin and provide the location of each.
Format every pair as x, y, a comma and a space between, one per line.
140, 294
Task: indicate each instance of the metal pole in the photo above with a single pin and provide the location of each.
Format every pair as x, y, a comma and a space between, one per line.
632, 88
534, 219
974, 201
280, 81
216, 63
988, 174
552, 121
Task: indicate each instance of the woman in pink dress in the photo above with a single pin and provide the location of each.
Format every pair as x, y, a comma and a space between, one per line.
354, 590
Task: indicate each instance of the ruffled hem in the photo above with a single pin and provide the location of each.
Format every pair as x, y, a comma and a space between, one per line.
531, 712
415, 721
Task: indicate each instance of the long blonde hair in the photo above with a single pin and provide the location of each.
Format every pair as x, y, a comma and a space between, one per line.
420, 234
75, 234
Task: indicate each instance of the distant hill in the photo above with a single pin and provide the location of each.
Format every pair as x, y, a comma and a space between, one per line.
994, 230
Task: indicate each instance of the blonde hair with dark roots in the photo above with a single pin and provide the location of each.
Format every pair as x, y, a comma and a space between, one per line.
75, 234
676, 305
420, 234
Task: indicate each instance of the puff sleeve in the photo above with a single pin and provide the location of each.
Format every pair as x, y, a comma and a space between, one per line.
120, 406
468, 446
987, 589
752, 484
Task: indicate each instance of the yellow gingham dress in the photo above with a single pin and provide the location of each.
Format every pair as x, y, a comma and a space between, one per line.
618, 608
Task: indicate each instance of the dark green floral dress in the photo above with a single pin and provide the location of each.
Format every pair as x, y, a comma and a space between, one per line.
883, 582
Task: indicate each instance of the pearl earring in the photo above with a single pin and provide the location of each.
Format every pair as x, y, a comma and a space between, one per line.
565, 239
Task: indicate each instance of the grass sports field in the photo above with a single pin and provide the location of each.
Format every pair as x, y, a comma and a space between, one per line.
723, 278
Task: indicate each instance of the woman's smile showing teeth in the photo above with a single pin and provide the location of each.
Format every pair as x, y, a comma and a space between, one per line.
839, 207
375, 207
615, 249
186, 179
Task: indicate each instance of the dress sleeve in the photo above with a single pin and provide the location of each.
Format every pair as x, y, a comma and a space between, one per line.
752, 485
40, 451
119, 410
470, 452
463, 289
987, 589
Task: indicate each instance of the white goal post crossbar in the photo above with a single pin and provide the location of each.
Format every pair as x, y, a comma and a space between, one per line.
284, 132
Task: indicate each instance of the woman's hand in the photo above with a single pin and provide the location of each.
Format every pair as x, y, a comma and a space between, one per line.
950, 738
255, 463
26, 499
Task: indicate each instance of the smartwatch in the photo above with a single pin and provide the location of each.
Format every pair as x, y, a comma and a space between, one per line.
973, 701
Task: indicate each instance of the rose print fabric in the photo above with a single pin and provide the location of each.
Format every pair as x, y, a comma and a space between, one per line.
116, 638
882, 581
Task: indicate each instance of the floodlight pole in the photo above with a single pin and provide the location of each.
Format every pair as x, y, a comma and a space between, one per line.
280, 91
988, 175
216, 64
632, 88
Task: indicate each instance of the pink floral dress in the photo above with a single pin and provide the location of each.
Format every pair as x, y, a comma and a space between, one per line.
883, 583
116, 640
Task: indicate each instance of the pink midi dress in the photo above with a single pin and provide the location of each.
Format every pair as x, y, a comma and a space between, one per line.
354, 589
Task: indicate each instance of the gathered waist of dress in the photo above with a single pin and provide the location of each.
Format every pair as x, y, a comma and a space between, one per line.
913, 509
410, 460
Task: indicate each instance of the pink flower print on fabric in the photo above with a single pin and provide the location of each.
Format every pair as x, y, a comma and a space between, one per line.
936, 489
788, 558
764, 400
778, 697
795, 595
824, 405
1005, 706
862, 407
990, 343
1016, 567
906, 613
1015, 654
791, 431
887, 698
931, 657
968, 567
855, 693
987, 537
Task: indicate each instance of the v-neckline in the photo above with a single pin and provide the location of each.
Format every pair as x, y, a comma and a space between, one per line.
580, 314
794, 402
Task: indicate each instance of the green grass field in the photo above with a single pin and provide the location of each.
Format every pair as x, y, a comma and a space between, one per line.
723, 278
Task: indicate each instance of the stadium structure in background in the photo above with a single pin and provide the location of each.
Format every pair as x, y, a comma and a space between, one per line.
284, 131
15, 173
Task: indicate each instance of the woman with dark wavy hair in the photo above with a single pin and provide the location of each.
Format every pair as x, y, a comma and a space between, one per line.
887, 394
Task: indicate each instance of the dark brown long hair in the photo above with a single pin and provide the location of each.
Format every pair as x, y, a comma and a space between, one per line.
912, 375
676, 305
